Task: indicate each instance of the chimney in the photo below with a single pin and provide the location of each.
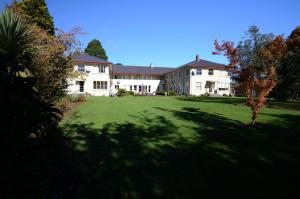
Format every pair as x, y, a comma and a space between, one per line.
197, 58
151, 65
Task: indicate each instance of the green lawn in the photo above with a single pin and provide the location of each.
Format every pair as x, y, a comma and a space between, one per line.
180, 147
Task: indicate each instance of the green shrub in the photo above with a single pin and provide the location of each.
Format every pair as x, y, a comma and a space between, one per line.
206, 94
122, 92
172, 93
130, 93
81, 98
160, 93
64, 103
225, 95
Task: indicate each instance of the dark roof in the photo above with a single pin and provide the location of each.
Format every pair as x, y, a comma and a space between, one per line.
204, 63
85, 58
201, 63
140, 70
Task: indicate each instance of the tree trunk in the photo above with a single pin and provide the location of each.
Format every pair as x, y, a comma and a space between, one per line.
254, 116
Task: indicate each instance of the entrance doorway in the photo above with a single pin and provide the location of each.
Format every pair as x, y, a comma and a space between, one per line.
81, 86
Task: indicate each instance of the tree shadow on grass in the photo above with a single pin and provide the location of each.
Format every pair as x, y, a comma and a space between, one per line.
271, 103
225, 100
152, 159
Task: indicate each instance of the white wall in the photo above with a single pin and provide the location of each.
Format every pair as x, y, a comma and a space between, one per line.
89, 78
182, 81
126, 83
189, 84
219, 79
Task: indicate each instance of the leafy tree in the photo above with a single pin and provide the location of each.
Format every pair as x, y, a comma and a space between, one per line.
289, 69
36, 11
253, 65
33, 69
95, 48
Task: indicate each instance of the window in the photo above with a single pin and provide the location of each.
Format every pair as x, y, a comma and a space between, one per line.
149, 88
81, 67
96, 84
103, 85
198, 85
187, 71
199, 71
140, 88
210, 71
223, 89
135, 87
101, 69
117, 87
130, 87
180, 73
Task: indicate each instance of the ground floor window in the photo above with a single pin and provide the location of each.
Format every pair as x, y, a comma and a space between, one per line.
149, 88
100, 85
117, 87
140, 88
130, 87
135, 87
223, 89
96, 84
223, 86
103, 85
198, 85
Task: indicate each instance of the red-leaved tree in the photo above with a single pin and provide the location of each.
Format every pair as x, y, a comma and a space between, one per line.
252, 65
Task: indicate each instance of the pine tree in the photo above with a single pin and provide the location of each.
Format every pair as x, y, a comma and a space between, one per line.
95, 48
36, 11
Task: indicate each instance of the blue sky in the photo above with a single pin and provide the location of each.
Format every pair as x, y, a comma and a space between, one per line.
168, 32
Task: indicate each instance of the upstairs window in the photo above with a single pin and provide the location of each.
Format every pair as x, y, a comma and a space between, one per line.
101, 69
187, 72
199, 71
210, 71
81, 67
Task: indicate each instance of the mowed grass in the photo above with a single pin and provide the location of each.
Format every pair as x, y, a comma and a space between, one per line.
181, 147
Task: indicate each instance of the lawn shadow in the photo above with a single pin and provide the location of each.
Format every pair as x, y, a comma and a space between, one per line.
224, 100
271, 103
151, 159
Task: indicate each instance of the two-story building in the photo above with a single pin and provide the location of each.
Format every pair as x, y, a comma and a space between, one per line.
198, 77
101, 78
92, 76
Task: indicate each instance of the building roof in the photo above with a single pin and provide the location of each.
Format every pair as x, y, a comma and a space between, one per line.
85, 58
200, 63
204, 63
140, 70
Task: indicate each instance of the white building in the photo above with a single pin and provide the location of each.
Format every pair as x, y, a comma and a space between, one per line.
198, 77
99, 77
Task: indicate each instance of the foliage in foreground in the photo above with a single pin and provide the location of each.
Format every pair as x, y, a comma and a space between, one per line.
36, 12
33, 69
289, 70
253, 66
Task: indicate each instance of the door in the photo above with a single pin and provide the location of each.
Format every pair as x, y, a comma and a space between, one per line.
81, 86
211, 87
